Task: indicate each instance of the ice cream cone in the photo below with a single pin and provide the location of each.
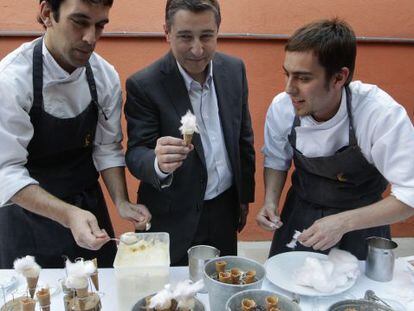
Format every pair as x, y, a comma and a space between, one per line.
43, 296
271, 302
82, 294
28, 304
248, 304
188, 127
31, 285
95, 276
187, 138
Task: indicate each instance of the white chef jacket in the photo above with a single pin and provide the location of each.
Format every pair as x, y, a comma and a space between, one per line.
383, 130
65, 96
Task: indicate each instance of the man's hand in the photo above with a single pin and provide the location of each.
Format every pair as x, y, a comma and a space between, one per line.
85, 229
170, 153
324, 233
244, 211
136, 213
267, 218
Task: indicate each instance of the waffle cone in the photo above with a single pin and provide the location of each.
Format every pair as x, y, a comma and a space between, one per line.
31, 285
82, 294
28, 304
43, 296
95, 276
187, 138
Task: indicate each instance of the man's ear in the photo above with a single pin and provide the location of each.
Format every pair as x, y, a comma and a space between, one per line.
46, 14
166, 32
341, 77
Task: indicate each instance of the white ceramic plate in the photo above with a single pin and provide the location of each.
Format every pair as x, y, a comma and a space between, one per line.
280, 268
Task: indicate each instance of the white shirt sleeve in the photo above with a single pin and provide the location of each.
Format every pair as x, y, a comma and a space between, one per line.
165, 179
277, 150
392, 152
107, 146
16, 131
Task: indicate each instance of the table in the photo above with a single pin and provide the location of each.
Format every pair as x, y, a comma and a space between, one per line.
401, 288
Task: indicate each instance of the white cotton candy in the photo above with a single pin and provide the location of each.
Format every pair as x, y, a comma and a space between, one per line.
186, 304
76, 282
161, 300
186, 289
183, 293
326, 275
345, 263
317, 274
78, 273
27, 266
80, 268
189, 123
293, 243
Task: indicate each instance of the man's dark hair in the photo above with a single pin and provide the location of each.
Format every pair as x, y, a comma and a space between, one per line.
55, 6
332, 41
195, 6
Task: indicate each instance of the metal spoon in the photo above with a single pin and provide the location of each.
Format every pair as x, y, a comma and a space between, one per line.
370, 295
127, 238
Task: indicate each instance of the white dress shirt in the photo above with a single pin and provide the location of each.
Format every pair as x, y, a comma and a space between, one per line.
383, 130
65, 96
205, 106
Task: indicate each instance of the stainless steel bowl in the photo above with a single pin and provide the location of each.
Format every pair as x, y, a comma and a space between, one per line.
358, 305
259, 296
219, 292
141, 305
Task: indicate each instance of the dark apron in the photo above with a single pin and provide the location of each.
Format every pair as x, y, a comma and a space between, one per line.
60, 159
323, 186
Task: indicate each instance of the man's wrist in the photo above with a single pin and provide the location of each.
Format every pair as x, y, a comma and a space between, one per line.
65, 218
161, 175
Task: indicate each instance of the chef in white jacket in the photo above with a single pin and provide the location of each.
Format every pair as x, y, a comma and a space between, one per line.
348, 140
60, 106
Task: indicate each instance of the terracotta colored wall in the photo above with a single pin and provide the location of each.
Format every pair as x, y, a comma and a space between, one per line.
390, 66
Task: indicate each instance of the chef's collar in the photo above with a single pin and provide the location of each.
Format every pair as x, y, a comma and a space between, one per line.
340, 114
189, 81
55, 73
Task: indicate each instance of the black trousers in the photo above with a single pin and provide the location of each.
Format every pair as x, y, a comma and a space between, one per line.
218, 225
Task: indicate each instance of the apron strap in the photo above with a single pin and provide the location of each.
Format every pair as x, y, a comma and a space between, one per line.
352, 137
38, 74
92, 89
292, 135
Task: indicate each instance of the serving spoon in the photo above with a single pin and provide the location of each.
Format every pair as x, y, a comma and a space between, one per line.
130, 238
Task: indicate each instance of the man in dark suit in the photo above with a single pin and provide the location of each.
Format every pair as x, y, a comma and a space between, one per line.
199, 193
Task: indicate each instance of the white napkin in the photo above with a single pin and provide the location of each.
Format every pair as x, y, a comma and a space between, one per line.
326, 275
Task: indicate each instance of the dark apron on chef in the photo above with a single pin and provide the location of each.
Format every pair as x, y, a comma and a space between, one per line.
323, 186
60, 159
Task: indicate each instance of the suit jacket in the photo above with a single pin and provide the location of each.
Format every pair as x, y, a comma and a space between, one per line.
156, 99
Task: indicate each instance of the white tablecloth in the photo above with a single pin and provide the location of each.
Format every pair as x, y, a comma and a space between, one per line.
401, 288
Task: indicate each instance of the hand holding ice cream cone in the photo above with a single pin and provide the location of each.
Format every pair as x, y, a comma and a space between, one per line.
188, 127
27, 267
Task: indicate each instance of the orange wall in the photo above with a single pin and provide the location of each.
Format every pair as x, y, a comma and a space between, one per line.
388, 65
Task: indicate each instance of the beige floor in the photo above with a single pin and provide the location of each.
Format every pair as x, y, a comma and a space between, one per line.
260, 250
